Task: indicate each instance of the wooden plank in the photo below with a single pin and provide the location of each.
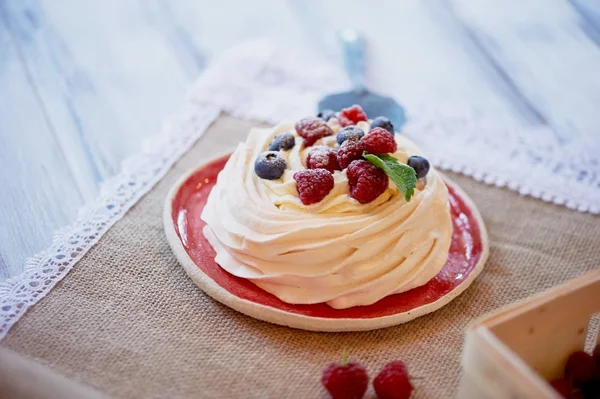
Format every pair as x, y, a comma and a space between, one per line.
39, 193
214, 29
104, 72
548, 56
4, 272
106, 78
445, 62
417, 50
589, 13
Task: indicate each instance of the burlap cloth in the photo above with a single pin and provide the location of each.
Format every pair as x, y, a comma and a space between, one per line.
129, 322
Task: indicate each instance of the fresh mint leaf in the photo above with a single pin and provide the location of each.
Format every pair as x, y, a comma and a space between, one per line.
403, 176
387, 158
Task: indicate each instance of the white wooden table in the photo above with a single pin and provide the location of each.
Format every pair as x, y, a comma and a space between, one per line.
82, 82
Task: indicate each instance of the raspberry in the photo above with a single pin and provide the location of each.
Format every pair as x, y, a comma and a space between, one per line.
312, 129
591, 389
345, 380
351, 116
349, 151
322, 157
366, 181
313, 185
393, 382
580, 367
562, 386
379, 141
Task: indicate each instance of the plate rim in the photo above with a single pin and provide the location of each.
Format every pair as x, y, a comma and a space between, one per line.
299, 321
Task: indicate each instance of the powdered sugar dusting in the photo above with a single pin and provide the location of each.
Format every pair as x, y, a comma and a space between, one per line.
323, 157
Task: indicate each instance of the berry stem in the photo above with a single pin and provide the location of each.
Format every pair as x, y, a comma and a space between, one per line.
344, 356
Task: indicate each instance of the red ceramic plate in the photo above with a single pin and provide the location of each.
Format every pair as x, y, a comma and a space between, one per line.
183, 227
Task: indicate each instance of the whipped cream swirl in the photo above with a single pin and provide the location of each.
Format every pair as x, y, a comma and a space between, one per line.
337, 251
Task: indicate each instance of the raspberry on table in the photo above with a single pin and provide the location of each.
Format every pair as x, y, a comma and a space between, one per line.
580, 367
591, 388
313, 185
379, 141
393, 382
349, 132
349, 151
322, 157
351, 116
366, 181
312, 129
562, 386
345, 380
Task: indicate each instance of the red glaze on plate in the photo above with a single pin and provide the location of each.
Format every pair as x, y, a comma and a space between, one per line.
466, 251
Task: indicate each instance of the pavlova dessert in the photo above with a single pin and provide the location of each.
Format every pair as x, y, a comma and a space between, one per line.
335, 209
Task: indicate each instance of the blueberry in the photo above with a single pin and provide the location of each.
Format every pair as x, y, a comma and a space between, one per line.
349, 132
283, 141
326, 114
269, 165
383, 122
420, 165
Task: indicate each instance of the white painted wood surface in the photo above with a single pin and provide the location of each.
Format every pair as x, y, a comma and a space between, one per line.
82, 82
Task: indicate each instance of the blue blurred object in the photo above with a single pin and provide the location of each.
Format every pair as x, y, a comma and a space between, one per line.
353, 45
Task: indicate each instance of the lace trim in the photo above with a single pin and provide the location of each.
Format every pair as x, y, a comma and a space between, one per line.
139, 174
530, 161
255, 82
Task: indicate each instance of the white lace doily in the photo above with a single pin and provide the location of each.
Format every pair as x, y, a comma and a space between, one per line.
255, 81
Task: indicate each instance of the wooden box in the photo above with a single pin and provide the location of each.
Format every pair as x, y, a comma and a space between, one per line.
512, 352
